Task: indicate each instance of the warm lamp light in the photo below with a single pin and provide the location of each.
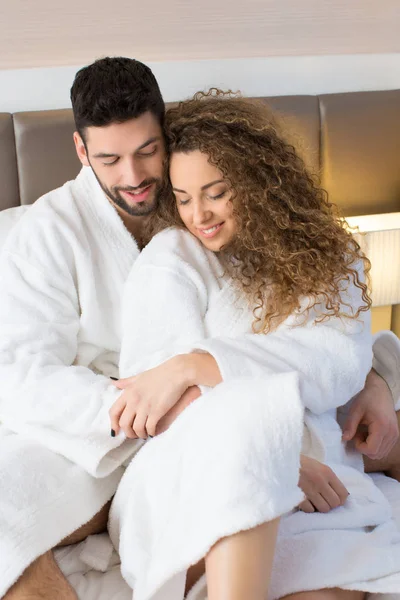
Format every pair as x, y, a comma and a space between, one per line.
379, 239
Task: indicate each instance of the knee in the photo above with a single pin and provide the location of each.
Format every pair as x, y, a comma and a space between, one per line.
98, 524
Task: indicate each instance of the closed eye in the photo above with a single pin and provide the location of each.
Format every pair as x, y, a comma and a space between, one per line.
151, 153
109, 164
219, 196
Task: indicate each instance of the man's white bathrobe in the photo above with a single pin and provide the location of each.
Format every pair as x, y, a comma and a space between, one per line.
62, 272
230, 461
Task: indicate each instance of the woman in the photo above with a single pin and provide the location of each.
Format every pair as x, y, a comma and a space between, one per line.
254, 248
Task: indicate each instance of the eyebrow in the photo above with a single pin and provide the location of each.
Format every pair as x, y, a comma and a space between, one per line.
144, 145
204, 187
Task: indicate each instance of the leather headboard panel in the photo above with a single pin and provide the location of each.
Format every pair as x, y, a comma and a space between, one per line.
299, 117
46, 152
352, 140
9, 195
360, 151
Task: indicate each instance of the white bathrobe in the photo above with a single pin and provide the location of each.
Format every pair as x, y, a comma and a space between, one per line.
61, 282
230, 461
62, 272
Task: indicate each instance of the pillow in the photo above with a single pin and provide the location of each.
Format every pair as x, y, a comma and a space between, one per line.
8, 218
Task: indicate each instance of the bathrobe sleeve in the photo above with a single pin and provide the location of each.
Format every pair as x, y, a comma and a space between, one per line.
164, 302
43, 394
164, 307
331, 358
386, 362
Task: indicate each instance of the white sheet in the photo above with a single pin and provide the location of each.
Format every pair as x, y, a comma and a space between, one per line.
93, 584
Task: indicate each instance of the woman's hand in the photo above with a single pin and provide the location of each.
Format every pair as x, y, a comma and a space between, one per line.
148, 397
323, 490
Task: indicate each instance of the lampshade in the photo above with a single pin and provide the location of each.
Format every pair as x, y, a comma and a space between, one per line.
381, 244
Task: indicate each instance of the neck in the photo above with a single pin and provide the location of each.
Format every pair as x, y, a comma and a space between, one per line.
133, 224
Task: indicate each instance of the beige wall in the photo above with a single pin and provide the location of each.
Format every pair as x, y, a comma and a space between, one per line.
50, 33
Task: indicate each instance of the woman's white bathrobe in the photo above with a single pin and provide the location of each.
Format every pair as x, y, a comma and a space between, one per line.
230, 461
62, 272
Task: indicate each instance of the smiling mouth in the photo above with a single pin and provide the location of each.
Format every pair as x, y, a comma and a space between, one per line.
211, 231
139, 195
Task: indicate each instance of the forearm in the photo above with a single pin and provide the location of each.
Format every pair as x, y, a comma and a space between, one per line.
386, 362
330, 365
376, 381
199, 368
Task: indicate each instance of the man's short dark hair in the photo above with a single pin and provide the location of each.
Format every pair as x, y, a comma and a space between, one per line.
114, 90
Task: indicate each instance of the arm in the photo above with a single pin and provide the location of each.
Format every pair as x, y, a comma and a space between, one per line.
163, 308
43, 395
332, 358
162, 316
322, 488
386, 362
371, 421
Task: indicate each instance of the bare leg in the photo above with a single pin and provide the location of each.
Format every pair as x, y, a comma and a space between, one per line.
389, 465
43, 579
194, 574
328, 594
96, 525
238, 567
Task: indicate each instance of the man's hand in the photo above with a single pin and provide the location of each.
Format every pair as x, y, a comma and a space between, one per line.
188, 397
323, 490
372, 421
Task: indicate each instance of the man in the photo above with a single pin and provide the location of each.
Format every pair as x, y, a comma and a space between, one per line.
62, 272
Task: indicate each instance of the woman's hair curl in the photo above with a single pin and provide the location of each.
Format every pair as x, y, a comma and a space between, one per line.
292, 251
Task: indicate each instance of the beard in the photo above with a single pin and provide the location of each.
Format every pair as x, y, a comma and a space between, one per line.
141, 209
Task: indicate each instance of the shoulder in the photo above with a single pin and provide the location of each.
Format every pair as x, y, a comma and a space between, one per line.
46, 230
177, 248
175, 255
175, 240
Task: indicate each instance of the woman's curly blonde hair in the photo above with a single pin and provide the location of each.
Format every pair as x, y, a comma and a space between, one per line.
291, 243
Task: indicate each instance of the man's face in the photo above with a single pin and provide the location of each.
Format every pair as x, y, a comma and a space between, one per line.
127, 159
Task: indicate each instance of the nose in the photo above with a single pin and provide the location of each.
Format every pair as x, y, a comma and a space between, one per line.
201, 213
133, 173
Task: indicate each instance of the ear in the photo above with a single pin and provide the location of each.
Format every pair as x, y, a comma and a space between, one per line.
81, 149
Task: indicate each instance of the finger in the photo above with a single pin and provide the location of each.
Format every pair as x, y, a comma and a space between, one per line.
370, 445
320, 503
339, 489
151, 425
331, 497
389, 440
115, 413
166, 421
126, 421
352, 422
139, 424
185, 400
306, 507
122, 384
387, 446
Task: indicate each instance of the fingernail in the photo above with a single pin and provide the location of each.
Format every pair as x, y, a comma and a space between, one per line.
112, 433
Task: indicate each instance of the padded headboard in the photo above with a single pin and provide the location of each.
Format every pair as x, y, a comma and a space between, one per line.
352, 140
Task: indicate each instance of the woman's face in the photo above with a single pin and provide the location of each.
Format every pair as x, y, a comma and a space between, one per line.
203, 199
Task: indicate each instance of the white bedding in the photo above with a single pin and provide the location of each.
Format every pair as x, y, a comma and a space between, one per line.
90, 583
